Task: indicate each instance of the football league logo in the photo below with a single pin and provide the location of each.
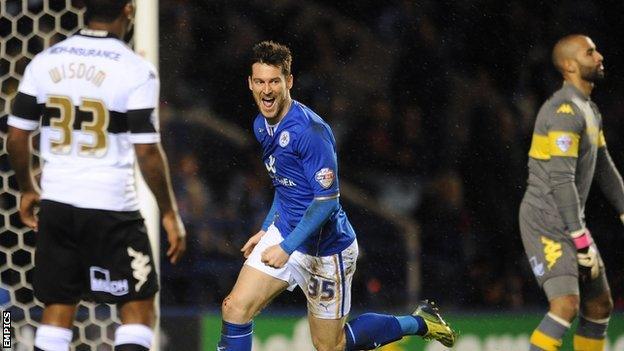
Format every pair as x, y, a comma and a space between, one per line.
284, 138
325, 177
564, 142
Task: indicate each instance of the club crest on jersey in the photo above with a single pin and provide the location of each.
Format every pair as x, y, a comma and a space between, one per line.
564, 142
284, 138
325, 177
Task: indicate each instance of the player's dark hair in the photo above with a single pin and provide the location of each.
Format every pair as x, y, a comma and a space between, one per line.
104, 10
274, 54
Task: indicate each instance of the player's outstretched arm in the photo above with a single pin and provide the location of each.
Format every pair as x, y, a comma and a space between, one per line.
18, 146
153, 165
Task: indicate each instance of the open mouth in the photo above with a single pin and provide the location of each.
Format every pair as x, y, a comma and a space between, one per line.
268, 102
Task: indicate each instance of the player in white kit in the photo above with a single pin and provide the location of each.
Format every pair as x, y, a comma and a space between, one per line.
93, 100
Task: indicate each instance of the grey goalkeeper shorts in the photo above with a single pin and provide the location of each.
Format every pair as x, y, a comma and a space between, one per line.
552, 255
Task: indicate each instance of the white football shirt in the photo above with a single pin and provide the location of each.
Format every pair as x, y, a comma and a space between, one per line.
95, 99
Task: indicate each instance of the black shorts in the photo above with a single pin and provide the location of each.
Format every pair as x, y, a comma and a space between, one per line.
89, 254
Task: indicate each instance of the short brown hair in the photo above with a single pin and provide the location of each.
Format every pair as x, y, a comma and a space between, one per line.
274, 54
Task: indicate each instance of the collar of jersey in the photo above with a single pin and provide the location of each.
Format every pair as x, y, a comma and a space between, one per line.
93, 33
574, 90
276, 126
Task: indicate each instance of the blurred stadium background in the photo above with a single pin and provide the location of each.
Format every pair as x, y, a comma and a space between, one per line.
432, 104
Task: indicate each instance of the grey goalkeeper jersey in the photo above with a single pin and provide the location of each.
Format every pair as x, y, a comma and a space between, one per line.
567, 149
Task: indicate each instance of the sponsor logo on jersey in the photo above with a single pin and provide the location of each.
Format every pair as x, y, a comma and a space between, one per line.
564, 142
272, 169
100, 281
140, 267
325, 177
565, 109
538, 267
284, 138
112, 55
552, 251
285, 181
270, 166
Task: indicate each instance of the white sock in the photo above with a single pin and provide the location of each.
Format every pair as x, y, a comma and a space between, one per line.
51, 338
137, 334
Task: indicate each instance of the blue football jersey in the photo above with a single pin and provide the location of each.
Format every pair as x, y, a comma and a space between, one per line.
300, 156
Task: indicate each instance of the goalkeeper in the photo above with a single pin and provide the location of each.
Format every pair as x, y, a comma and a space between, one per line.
567, 149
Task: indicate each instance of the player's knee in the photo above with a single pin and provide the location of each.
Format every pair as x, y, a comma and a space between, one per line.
566, 307
236, 311
138, 312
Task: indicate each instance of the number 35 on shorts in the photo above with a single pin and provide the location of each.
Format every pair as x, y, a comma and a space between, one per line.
323, 287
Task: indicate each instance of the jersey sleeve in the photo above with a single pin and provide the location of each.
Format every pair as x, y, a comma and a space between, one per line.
320, 167
25, 112
141, 109
564, 129
608, 177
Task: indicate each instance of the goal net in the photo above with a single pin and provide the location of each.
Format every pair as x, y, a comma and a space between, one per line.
26, 28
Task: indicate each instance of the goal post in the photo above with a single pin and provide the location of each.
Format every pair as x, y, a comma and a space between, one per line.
27, 28
146, 44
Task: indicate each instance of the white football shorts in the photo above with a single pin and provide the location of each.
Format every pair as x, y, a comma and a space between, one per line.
325, 280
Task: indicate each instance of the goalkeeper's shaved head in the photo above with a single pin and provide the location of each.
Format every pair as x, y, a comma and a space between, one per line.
565, 49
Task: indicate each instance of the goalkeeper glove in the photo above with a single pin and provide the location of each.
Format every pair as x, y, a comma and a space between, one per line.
586, 254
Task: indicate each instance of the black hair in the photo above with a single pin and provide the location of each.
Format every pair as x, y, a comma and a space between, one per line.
104, 10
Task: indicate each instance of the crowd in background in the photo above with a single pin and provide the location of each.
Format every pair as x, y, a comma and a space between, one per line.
432, 104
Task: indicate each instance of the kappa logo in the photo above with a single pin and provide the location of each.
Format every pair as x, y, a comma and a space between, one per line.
565, 109
284, 138
552, 251
325, 177
564, 142
140, 267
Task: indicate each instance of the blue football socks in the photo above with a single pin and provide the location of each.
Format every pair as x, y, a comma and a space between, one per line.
412, 325
235, 337
372, 330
